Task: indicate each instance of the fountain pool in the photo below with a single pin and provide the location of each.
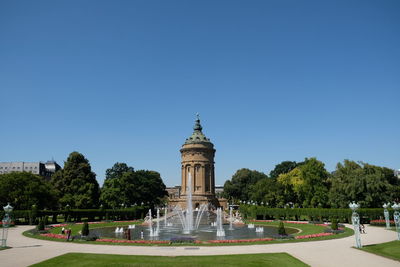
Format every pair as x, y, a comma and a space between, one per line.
204, 232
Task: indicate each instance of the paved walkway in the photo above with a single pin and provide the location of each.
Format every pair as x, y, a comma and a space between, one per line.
338, 252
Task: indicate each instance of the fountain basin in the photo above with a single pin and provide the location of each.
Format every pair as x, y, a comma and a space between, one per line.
203, 233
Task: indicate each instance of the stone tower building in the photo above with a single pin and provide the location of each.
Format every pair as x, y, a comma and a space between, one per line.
197, 158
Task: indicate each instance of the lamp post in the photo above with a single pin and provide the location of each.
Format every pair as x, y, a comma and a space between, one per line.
6, 223
396, 216
386, 213
355, 219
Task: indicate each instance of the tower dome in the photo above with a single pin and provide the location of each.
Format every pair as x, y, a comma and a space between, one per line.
197, 136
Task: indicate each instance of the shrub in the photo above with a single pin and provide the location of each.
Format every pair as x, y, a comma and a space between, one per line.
40, 226
54, 219
281, 229
334, 224
46, 220
85, 229
68, 219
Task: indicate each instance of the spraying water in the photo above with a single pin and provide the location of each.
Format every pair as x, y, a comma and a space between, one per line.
150, 224
230, 218
151, 230
166, 215
158, 221
189, 207
220, 229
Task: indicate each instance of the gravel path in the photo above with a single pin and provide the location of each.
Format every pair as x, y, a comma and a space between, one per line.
338, 252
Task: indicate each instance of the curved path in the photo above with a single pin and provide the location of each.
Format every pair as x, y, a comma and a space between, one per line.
338, 252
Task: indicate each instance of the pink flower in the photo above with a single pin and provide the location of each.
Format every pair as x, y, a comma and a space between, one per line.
313, 235
58, 236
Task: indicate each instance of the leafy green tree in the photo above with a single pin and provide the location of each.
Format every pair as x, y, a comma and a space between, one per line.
315, 186
76, 183
308, 182
117, 187
24, 189
367, 184
268, 191
125, 186
150, 187
118, 170
283, 167
239, 187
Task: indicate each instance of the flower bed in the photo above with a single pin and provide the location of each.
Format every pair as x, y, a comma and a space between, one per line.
237, 240
58, 236
312, 236
131, 241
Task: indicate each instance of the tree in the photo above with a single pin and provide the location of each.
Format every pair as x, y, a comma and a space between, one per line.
150, 187
269, 191
283, 167
118, 170
367, 184
76, 183
116, 189
239, 187
125, 186
308, 182
24, 189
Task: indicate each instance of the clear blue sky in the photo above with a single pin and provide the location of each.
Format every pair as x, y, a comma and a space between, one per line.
121, 81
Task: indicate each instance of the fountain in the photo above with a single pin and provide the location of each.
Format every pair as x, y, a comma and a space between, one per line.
158, 221
165, 215
259, 229
152, 233
119, 230
189, 207
220, 229
187, 217
230, 218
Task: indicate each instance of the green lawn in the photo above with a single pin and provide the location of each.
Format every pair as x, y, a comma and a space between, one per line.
81, 259
390, 249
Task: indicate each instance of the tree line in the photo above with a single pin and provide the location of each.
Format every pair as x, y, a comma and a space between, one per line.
75, 186
308, 184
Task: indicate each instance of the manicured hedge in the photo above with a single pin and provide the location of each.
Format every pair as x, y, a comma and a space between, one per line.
310, 214
77, 215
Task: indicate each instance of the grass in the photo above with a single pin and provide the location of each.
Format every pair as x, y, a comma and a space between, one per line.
82, 259
389, 250
305, 229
